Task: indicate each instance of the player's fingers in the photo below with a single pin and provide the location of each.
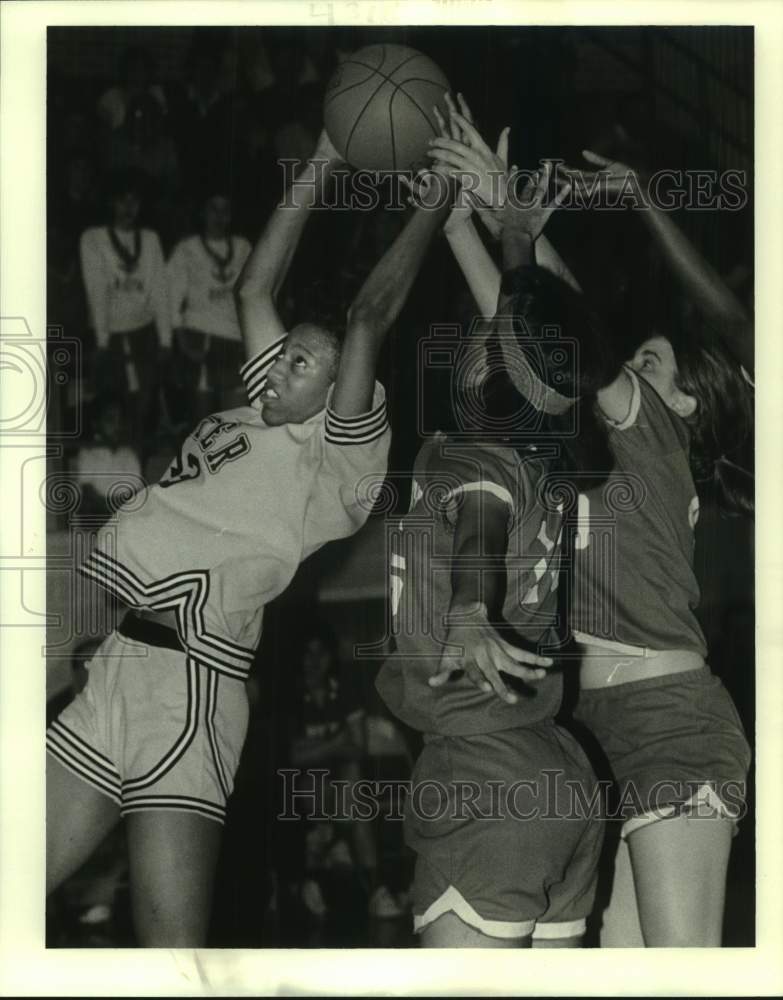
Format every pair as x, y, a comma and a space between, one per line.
523, 655
460, 158
445, 672
453, 129
543, 177
471, 132
464, 108
488, 669
592, 157
478, 679
561, 196
505, 665
502, 148
440, 120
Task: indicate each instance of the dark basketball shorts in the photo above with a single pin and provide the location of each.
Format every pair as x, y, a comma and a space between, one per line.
675, 745
505, 833
154, 729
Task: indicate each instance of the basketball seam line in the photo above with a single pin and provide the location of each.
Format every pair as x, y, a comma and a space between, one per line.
350, 86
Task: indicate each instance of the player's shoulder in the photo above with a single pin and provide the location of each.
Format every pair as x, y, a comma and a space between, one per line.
469, 461
187, 243
242, 244
95, 234
149, 236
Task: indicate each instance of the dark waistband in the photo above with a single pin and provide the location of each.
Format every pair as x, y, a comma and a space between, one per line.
152, 633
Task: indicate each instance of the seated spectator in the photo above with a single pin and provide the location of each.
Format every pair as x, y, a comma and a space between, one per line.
125, 278
208, 351
107, 461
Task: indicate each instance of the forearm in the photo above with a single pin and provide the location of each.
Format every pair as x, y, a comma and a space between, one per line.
549, 258
476, 264
700, 278
518, 248
383, 295
478, 573
269, 262
702, 283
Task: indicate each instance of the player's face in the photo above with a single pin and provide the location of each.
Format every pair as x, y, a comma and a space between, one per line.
316, 661
126, 210
299, 379
656, 363
217, 217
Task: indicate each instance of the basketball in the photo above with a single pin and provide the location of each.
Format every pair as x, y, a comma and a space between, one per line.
378, 107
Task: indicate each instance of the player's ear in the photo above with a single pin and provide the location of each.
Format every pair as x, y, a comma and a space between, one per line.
683, 404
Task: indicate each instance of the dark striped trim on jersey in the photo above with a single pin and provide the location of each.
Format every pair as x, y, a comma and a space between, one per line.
179, 803
184, 593
183, 741
83, 760
254, 371
209, 718
356, 430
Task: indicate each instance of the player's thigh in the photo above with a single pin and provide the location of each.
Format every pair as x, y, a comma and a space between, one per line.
679, 869
78, 817
620, 927
173, 856
448, 931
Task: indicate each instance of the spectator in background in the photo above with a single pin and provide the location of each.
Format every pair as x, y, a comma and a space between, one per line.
107, 461
136, 81
328, 732
208, 350
125, 278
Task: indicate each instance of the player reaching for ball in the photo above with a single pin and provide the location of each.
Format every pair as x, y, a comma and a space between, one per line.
667, 726
156, 735
504, 855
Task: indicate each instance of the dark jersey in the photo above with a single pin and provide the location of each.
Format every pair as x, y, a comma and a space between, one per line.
634, 578
421, 564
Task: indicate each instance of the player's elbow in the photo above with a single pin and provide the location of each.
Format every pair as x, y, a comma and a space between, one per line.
367, 318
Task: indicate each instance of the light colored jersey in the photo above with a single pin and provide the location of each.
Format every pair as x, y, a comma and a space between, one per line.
240, 507
421, 565
634, 579
201, 284
124, 297
101, 467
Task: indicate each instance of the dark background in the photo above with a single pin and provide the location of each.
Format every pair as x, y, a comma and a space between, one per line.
684, 97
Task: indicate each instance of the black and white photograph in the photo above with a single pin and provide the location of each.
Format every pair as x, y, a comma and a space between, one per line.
384, 480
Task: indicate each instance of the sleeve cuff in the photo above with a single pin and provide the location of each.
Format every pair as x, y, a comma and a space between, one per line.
254, 371
363, 429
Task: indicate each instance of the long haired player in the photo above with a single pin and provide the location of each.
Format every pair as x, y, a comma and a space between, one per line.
667, 725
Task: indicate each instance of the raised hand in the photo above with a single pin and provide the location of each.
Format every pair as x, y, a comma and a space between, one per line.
480, 170
529, 212
325, 150
612, 176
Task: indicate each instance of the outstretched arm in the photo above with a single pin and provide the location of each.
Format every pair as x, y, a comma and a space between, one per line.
478, 581
472, 158
379, 303
265, 269
698, 277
